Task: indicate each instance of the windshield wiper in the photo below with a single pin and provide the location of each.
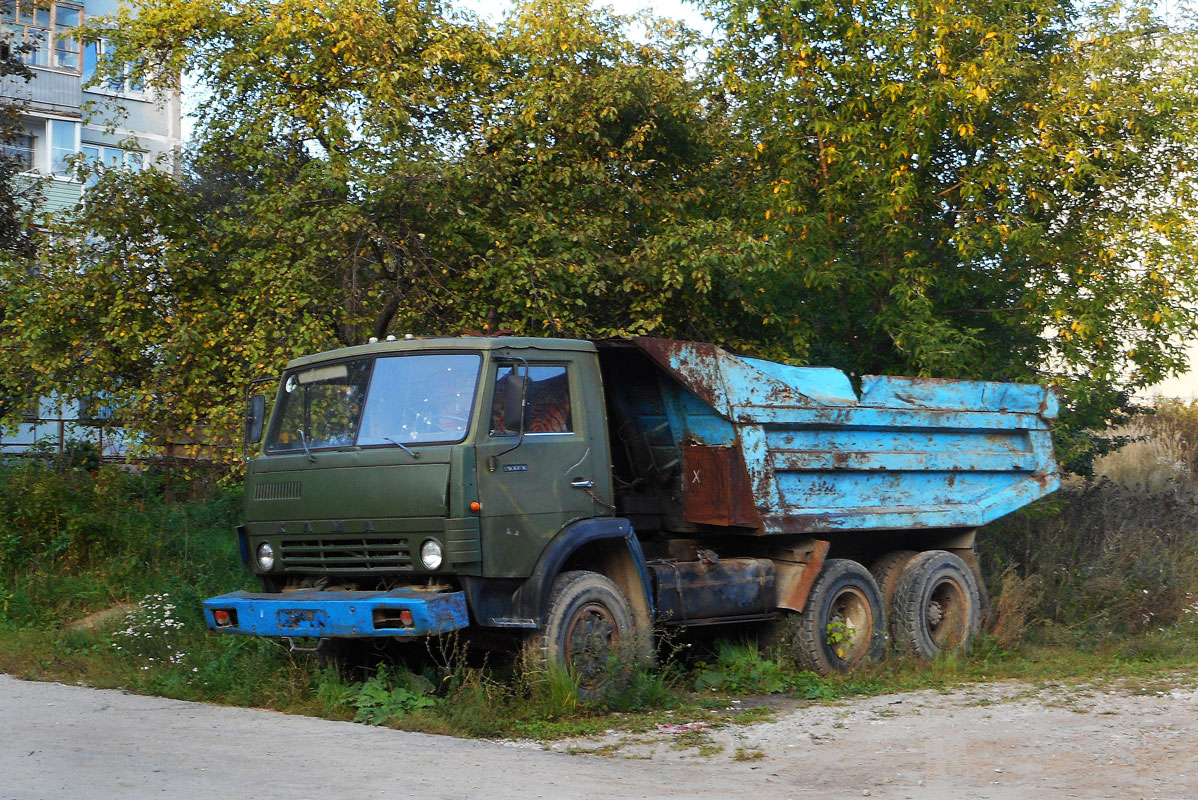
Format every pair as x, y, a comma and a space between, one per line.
401, 446
304, 442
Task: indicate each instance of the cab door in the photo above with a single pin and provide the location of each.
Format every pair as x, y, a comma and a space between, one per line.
532, 486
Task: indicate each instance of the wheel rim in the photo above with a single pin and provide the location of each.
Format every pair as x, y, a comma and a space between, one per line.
590, 636
850, 625
947, 614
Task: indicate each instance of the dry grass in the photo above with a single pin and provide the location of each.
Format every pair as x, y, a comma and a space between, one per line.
1017, 597
1109, 556
1163, 458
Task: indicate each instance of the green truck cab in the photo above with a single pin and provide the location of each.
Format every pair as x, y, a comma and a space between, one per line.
577, 495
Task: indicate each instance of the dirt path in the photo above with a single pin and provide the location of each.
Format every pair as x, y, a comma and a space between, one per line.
991, 741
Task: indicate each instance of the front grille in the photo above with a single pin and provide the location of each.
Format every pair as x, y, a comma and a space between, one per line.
351, 553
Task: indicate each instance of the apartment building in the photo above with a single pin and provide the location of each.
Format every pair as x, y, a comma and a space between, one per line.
119, 123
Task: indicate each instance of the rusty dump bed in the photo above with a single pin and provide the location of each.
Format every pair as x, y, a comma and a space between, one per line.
704, 438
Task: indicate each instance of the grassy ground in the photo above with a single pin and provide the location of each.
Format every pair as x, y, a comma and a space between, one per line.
1097, 583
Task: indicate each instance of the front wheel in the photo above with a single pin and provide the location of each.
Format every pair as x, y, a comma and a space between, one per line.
588, 630
937, 605
843, 623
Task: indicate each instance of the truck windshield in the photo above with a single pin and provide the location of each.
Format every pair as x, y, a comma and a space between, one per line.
405, 399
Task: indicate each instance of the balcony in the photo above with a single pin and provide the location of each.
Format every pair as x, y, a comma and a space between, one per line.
50, 91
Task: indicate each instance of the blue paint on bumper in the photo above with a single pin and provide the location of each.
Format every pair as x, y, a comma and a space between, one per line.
338, 614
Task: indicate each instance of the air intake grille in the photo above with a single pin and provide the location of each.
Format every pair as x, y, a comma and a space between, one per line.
287, 490
352, 553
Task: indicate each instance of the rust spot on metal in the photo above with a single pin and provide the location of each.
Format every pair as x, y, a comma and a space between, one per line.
715, 487
796, 578
697, 364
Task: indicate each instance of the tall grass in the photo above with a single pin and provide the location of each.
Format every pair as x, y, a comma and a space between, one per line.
73, 541
1107, 557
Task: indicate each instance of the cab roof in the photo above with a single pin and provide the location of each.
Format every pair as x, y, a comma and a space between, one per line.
433, 343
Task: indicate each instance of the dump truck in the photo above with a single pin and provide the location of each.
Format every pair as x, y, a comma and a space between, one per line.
579, 497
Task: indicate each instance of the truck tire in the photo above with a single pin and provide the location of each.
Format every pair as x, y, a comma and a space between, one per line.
588, 630
843, 623
886, 571
937, 606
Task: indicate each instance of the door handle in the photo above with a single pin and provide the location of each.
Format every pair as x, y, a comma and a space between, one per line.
582, 483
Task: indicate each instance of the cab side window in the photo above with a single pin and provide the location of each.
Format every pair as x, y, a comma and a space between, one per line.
546, 405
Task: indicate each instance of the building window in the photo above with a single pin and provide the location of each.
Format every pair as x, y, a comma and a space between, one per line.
31, 411
19, 152
48, 28
46, 145
109, 157
96, 52
64, 143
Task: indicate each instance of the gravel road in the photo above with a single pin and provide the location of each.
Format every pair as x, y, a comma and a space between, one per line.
995, 741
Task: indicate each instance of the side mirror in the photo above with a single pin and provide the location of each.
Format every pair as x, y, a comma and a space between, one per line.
515, 389
255, 416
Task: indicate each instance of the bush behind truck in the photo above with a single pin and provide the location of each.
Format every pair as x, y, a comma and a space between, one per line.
581, 495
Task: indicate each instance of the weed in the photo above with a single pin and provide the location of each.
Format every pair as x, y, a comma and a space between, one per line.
151, 632
839, 634
740, 668
749, 754
390, 694
699, 739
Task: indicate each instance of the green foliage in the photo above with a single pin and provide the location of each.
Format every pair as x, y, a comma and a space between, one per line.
742, 669
991, 190
362, 168
838, 635
75, 540
381, 699
964, 190
19, 196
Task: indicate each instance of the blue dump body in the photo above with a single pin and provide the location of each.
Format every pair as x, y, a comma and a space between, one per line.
783, 449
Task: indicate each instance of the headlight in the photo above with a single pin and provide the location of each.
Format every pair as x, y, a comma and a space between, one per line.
266, 557
430, 554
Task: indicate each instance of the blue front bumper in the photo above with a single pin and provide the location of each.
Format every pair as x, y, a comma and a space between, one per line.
338, 614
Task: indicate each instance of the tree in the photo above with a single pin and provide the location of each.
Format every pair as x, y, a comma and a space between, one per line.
364, 167
586, 201
941, 188
19, 196
972, 189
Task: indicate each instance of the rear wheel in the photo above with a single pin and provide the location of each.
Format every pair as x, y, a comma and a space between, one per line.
887, 570
588, 630
936, 605
843, 623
